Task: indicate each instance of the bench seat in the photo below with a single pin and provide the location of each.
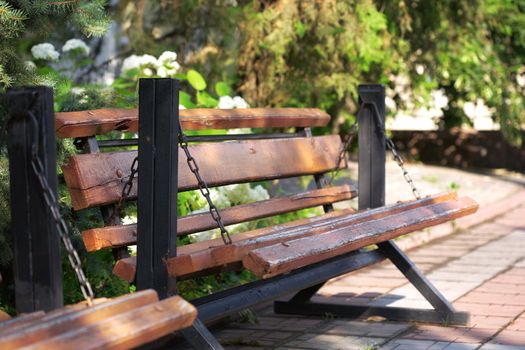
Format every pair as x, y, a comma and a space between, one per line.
286, 256
213, 256
120, 323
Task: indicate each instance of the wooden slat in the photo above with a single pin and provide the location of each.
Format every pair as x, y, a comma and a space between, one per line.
62, 320
20, 321
97, 178
123, 235
4, 316
212, 255
125, 330
287, 256
101, 121
126, 268
217, 254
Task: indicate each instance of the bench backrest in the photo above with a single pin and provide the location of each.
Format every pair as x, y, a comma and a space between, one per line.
96, 179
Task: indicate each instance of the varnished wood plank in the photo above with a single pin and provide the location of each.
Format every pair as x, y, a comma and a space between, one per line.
4, 316
126, 268
97, 179
125, 330
215, 253
123, 235
286, 256
20, 321
101, 121
212, 255
68, 318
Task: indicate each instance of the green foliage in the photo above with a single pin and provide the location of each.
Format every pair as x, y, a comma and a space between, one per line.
196, 80
222, 89
314, 53
472, 49
31, 19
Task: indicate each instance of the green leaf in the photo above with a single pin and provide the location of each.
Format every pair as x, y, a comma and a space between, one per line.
222, 89
206, 100
185, 100
196, 80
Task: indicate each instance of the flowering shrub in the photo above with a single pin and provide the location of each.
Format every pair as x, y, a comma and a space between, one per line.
76, 44
45, 51
227, 196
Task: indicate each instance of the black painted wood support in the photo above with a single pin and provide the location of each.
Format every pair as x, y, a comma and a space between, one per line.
157, 183
371, 158
37, 264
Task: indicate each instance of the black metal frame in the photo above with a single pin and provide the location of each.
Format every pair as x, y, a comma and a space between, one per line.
37, 262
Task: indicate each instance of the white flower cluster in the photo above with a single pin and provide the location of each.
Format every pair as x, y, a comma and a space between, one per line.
45, 51
227, 196
164, 66
227, 102
76, 44
480, 115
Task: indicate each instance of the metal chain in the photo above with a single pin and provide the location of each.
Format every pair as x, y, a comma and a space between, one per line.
392, 147
203, 187
401, 163
61, 226
126, 190
344, 148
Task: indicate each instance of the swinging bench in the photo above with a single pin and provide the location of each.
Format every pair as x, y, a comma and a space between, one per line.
295, 257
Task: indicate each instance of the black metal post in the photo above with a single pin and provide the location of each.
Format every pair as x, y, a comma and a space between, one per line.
37, 264
157, 183
371, 172
371, 190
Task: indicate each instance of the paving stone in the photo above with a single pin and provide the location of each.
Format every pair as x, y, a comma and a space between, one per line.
518, 324
334, 342
461, 346
491, 322
509, 337
369, 329
492, 346
409, 344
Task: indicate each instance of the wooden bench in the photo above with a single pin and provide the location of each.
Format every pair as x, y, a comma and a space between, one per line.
295, 257
96, 179
121, 323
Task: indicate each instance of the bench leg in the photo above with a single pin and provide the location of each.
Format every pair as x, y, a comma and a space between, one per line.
443, 312
200, 338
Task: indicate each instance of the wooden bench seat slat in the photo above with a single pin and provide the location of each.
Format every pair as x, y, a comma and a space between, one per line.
213, 255
71, 317
218, 254
97, 179
287, 256
126, 268
123, 235
20, 321
101, 121
125, 330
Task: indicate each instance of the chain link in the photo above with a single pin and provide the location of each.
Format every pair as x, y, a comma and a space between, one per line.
126, 190
60, 224
203, 187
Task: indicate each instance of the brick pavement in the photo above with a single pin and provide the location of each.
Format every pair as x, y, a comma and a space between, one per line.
482, 270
